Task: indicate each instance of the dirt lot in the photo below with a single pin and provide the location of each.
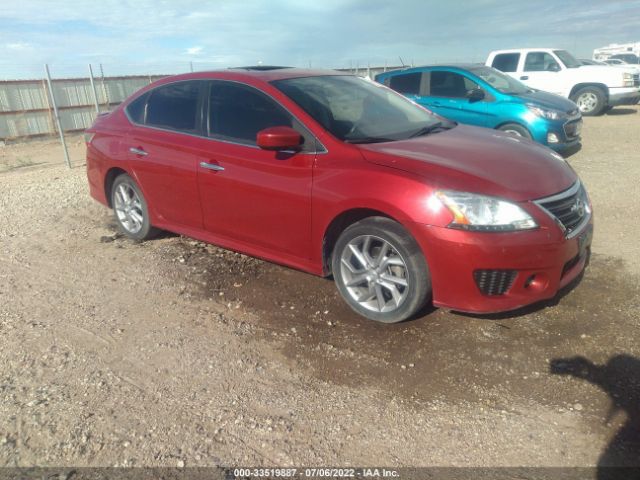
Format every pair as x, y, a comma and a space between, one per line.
176, 353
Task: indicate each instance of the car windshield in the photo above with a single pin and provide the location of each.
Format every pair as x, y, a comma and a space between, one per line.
356, 110
569, 60
500, 81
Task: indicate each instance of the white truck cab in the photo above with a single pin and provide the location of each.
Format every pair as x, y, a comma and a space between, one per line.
594, 88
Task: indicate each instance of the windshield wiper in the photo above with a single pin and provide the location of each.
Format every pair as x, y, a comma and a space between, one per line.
432, 128
367, 140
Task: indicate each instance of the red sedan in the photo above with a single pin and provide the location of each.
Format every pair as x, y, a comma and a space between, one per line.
336, 175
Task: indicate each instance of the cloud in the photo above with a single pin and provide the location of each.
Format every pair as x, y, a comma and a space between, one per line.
194, 50
164, 35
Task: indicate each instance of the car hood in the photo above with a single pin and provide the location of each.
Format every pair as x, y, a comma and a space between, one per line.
550, 101
478, 160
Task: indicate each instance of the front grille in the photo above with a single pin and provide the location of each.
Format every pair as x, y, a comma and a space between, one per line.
571, 129
494, 282
570, 208
636, 79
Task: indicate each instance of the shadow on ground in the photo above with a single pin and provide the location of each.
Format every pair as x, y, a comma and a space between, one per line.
619, 378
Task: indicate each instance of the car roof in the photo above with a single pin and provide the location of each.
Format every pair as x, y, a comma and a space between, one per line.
525, 50
457, 66
264, 73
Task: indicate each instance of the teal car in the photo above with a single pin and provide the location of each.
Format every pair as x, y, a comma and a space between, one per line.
483, 96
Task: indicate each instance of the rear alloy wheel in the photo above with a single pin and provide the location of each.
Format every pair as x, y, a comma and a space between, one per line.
590, 100
130, 209
515, 129
380, 270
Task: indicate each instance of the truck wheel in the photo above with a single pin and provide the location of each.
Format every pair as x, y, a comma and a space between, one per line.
590, 100
515, 129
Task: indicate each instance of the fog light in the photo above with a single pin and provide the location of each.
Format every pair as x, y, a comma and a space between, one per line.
552, 138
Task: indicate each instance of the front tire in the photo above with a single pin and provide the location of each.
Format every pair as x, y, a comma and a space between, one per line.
515, 129
380, 271
130, 208
590, 100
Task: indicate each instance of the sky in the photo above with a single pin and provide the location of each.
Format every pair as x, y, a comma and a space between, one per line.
168, 36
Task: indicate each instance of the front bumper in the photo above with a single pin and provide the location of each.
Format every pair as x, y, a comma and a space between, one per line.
544, 261
558, 135
623, 96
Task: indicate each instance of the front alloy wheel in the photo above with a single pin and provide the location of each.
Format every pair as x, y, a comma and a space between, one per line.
380, 271
374, 274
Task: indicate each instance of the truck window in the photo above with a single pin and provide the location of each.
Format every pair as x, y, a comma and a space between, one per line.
406, 83
506, 62
540, 62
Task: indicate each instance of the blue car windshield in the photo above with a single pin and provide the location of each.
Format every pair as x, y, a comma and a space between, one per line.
500, 81
355, 110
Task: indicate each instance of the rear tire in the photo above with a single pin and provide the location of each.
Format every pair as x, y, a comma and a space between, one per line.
130, 209
380, 271
590, 100
515, 129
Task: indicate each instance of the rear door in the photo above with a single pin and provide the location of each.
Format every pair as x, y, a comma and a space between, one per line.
447, 96
164, 150
251, 195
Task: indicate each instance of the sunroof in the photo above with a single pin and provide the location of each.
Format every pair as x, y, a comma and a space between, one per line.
260, 67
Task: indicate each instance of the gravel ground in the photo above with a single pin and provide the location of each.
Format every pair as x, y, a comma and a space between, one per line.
176, 353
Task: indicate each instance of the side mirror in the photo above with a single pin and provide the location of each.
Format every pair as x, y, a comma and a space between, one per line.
279, 138
475, 94
553, 67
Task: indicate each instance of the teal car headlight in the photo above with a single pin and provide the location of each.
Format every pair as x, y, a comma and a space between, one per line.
545, 112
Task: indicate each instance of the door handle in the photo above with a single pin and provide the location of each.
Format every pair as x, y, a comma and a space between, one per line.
524, 77
436, 104
211, 166
138, 151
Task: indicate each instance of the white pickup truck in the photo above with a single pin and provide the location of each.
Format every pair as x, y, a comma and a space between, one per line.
595, 89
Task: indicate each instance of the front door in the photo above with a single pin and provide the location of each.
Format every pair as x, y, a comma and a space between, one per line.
259, 197
447, 96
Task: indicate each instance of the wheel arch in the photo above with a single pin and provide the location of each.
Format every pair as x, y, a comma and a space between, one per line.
580, 86
339, 223
513, 122
109, 179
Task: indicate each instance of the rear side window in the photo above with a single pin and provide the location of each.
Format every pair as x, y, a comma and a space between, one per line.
406, 83
137, 109
539, 62
174, 106
506, 62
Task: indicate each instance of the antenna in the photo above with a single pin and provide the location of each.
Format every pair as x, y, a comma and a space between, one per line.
401, 60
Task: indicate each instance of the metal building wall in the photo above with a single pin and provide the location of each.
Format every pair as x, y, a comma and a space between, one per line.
26, 109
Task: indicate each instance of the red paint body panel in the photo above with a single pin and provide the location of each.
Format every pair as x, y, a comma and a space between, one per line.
278, 206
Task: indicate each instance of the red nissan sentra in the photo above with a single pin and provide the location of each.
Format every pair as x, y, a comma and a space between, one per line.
335, 175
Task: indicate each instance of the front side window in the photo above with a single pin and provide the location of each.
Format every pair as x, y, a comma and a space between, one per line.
238, 112
355, 110
540, 62
450, 84
506, 62
174, 106
406, 83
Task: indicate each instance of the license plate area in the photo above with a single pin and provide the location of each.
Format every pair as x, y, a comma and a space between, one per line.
584, 240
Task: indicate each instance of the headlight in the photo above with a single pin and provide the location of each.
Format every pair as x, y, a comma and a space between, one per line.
484, 214
627, 79
545, 113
